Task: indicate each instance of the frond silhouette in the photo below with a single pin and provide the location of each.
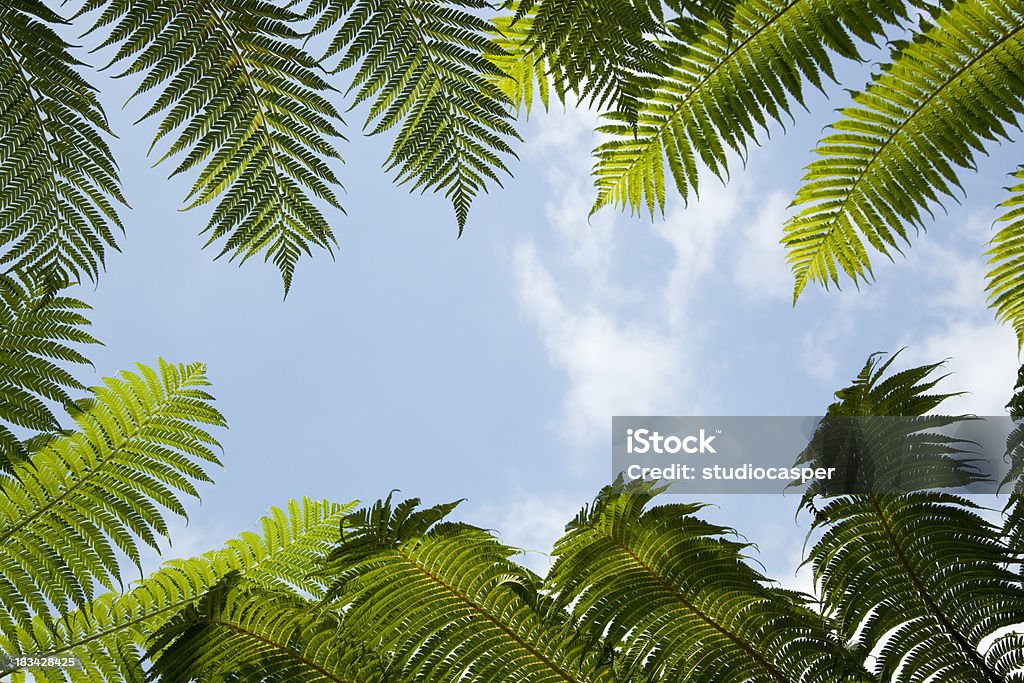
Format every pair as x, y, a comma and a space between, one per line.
38, 330
243, 103
425, 68
59, 185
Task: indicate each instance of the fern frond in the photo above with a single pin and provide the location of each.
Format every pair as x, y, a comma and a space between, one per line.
524, 71
675, 595
58, 179
425, 68
258, 635
37, 328
921, 577
1013, 525
249, 109
1006, 256
83, 496
447, 601
946, 94
111, 634
718, 89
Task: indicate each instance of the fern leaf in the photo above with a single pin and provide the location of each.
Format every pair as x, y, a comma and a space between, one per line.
37, 328
445, 598
111, 634
58, 180
1006, 256
945, 95
425, 69
257, 635
921, 577
677, 599
245, 104
524, 71
83, 496
717, 90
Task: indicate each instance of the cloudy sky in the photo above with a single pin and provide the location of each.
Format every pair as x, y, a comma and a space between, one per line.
488, 367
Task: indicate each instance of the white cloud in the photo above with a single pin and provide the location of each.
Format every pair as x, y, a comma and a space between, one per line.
983, 359
533, 524
760, 260
613, 368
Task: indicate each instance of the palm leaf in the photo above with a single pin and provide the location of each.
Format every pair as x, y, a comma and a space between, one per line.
249, 107
83, 496
444, 598
674, 595
946, 94
58, 178
37, 328
1006, 255
111, 634
922, 578
425, 68
719, 88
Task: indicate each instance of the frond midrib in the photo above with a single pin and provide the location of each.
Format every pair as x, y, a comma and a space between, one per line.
16, 529
290, 652
479, 610
958, 638
649, 570
841, 209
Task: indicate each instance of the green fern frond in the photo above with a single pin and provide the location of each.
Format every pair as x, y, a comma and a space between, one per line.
720, 88
1013, 525
897, 151
111, 634
921, 577
446, 599
37, 328
675, 595
58, 179
1006, 256
83, 496
425, 68
258, 635
249, 109
524, 71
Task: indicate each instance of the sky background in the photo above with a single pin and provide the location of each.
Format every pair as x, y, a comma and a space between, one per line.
488, 367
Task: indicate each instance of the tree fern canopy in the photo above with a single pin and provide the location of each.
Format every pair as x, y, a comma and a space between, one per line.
84, 495
447, 601
947, 93
425, 67
37, 327
58, 178
947, 583
249, 109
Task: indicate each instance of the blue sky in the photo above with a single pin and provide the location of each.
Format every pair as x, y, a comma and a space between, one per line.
488, 368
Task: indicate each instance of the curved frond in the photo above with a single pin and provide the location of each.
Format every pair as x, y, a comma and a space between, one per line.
37, 328
83, 496
1006, 256
675, 595
58, 179
425, 69
946, 94
245, 104
719, 88
445, 599
111, 634
921, 577
258, 635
